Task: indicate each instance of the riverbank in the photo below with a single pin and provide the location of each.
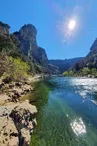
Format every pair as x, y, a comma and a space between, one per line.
17, 118
85, 72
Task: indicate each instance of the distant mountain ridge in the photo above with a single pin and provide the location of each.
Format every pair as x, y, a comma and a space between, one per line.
66, 64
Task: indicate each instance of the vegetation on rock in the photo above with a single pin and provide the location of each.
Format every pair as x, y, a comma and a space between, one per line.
19, 53
88, 72
87, 66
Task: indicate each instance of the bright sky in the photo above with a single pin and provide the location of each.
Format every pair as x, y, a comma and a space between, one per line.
52, 19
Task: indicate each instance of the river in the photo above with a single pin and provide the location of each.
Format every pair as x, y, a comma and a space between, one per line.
67, 112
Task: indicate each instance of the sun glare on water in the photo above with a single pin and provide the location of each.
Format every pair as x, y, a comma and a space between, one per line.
72, 25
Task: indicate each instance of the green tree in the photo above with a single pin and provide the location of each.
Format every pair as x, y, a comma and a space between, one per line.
94, 71
68, 73
86, 71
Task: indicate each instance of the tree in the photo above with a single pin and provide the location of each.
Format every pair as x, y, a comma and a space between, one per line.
86, 71
68, 73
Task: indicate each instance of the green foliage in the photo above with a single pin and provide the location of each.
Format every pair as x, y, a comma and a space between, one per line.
65, 73
5, 63
86, 71
32, 66
20, 69
94, 71
68, 73
39, 68
13, 68
83, 72
14, 40
90, 65
6, 45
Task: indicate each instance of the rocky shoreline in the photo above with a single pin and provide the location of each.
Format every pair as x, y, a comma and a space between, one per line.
17, 118
17, 122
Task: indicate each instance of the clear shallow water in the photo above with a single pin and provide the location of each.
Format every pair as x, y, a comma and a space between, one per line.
67, 112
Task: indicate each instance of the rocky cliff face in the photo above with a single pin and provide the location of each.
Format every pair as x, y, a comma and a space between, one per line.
23, 44
90, 60
6, 40
4, 30
28, 45
94, 46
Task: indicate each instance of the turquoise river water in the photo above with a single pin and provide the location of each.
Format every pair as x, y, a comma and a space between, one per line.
67, 112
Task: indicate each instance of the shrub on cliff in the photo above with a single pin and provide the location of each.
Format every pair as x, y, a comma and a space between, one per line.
5, 63
13, 67
20, 69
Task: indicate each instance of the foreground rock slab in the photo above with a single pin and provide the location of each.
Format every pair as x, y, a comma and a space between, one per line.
17, 122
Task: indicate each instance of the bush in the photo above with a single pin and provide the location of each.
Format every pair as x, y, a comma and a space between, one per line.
86, 71
68, 73
5, 63
20, 69
83, 72
13, 67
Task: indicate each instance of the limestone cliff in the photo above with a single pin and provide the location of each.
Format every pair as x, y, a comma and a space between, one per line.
23, 44
28, 45
6, 40
4, 30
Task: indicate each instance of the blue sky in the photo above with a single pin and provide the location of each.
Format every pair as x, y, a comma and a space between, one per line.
51, 17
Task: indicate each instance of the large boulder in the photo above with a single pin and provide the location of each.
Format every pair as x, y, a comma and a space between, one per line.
8, 131
17, 121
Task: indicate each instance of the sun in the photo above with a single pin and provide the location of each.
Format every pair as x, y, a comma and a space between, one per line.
72, 25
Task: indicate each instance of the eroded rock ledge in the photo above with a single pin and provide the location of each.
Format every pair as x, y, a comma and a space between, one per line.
17, 121
12, 91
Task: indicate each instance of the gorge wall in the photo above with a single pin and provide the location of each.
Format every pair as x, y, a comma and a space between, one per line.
28, 45
90, 60
24, 43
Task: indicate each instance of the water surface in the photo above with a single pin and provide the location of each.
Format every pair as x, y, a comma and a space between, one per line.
67, 112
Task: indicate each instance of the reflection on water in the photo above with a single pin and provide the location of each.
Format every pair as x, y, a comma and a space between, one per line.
78, 127
85, 86
64, 118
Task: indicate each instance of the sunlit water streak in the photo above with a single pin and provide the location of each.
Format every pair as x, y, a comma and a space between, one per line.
66, 112
78, 127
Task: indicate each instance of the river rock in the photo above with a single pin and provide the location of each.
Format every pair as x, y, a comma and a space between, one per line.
25, 136
19, 84
8, 132
17, 121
